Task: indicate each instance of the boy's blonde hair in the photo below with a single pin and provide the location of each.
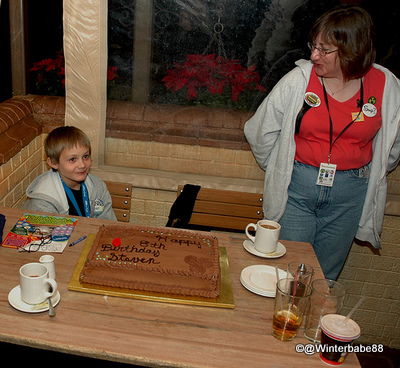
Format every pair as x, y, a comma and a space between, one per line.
64, 137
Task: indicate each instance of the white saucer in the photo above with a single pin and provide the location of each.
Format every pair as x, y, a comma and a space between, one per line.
279, 252
14, 298
257, 291
261, 279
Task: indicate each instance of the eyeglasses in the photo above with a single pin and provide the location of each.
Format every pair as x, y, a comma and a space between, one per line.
35, 246
321, 51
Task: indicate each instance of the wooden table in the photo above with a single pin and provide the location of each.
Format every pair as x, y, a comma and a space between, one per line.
152, 333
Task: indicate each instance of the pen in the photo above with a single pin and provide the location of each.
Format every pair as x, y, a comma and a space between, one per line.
78, 240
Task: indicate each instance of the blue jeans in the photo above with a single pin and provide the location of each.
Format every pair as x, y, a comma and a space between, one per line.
326, 217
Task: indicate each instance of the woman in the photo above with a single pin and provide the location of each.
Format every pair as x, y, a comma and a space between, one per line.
326, 136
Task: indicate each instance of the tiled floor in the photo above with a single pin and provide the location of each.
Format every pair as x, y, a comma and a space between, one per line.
389, 358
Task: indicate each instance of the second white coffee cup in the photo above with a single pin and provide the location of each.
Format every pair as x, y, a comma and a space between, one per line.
267, 235
35, 283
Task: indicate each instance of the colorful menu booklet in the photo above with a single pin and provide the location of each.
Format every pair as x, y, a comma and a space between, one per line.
40, 233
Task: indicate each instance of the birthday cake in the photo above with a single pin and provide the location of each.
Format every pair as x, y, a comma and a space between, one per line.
163, 260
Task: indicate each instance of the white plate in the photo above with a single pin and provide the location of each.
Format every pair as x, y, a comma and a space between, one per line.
256, 291
14, 298
249, 246
261, 279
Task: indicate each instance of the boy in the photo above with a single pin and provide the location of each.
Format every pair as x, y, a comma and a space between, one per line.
68, 188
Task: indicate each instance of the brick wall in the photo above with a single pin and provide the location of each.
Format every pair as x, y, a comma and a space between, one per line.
22, 122
18, 172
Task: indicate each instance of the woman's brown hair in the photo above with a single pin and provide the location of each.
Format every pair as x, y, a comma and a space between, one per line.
350, 29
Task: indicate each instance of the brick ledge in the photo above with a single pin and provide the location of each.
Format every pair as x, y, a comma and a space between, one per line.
190, 125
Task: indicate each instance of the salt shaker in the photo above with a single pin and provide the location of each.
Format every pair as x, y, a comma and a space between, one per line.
302, 272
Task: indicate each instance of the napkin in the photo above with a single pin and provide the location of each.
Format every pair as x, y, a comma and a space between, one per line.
2, 223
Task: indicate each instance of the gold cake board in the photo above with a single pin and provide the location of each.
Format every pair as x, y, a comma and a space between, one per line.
225, 300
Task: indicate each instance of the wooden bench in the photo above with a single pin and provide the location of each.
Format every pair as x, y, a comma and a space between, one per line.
225, 209
121, 199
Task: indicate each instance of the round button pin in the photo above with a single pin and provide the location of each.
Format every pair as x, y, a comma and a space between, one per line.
369, 110
312, 99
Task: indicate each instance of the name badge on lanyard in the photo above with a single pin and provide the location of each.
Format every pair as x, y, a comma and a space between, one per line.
326, 174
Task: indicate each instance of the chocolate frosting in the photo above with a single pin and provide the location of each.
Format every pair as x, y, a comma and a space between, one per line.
165, 260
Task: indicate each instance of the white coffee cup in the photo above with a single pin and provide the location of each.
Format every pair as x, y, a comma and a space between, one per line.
48, 261
267, 235
35, 283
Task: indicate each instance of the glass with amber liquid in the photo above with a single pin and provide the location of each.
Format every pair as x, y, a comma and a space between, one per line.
291, 302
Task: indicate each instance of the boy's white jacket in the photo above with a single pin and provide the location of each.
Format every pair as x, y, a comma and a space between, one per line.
47, 194
270, 133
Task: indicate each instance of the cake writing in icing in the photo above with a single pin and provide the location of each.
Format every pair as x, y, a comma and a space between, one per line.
185, 262
145, 251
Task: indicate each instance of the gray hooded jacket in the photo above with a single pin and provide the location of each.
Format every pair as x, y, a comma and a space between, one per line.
270, 133
47, 194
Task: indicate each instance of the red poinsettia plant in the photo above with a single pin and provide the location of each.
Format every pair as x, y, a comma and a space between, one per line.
50, 75
204, 78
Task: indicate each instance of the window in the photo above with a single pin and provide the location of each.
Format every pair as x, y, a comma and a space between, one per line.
217, 53
5, 60
45, 45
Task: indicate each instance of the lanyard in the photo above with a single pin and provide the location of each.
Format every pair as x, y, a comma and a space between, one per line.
330, 118
85, 198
